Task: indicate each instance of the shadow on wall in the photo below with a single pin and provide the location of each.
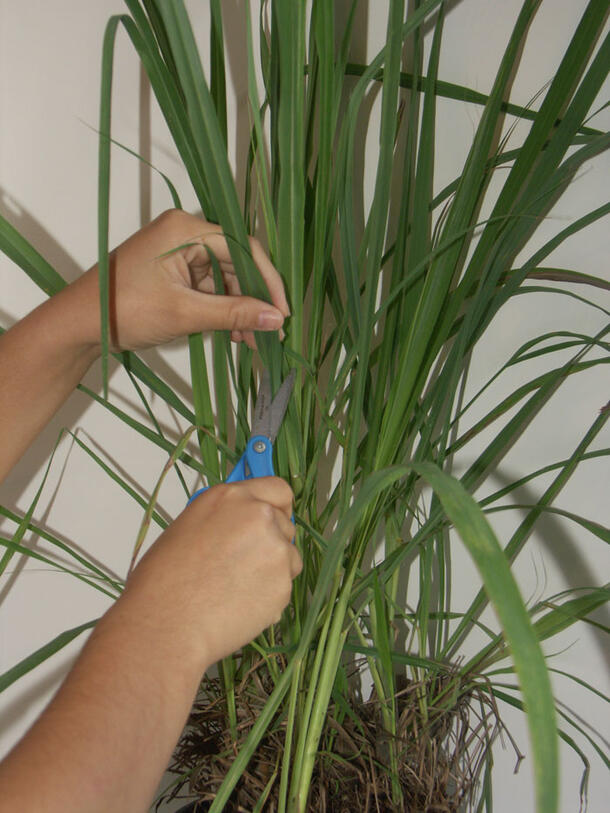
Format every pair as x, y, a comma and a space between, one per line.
42, 240
56, 254
42, 686
557, 540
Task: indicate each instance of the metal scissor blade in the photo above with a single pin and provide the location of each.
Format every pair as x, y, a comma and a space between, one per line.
262, 409
269, 414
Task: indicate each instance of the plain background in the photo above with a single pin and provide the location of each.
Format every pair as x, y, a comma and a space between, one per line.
50, 55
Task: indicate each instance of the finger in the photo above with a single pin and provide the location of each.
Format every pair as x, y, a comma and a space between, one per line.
272, 490
217, 243
271, 277
219, 246
237, 336
269, 273
295, 562
284, 524
250, 339
203, 311
231, 285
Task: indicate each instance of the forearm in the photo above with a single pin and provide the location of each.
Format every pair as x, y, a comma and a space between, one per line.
107, 737
42, 359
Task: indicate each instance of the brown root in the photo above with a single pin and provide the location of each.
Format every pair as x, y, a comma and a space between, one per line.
440, 746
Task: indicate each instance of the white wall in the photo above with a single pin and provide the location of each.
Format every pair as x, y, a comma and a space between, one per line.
49, 73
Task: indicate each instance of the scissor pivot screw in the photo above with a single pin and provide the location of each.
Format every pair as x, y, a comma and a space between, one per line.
260, 446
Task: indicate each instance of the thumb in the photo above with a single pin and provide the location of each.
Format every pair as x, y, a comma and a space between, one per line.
218, 312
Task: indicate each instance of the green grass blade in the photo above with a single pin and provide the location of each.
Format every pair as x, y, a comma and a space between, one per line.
147, 432
374, 235
119, 480
594, 528
176, 452
580, 682
27, 518
156, 424
566, 614
210, 145
536, 385
290, 20
21, 252
103, 201
517, 703
574, 678
42, 654
415, 361
502, 590
202, 400
565, 275
496, 495
559, 618
522, 533
217, 60
12, 547
53, 540
261, 166
135, 366
170, 186
163, 76
459, 93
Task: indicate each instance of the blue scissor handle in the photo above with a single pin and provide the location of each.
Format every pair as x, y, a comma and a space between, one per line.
256, 461
258, 457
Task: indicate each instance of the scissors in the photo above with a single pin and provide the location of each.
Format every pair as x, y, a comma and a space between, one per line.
257, 459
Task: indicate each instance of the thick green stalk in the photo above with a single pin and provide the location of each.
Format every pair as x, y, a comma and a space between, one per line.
313, 679
385, 684
288, 740
332, 656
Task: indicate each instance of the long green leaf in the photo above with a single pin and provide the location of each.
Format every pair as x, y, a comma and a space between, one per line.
42, 654
503, 592
15, 246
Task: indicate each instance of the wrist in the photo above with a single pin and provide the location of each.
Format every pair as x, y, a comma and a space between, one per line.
73, 317
164, 632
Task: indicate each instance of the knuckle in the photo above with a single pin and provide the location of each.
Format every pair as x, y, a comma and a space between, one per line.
170, 218
231, 491
283, 489
264, 512
180, 224
237, 315
223, 493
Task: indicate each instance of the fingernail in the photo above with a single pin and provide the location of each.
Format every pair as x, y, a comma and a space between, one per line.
270, 320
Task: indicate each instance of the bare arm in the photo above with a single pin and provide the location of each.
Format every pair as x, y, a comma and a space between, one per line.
103, 743
154, 299
216, 577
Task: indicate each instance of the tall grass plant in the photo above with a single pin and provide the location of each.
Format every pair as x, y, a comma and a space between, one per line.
378, 687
